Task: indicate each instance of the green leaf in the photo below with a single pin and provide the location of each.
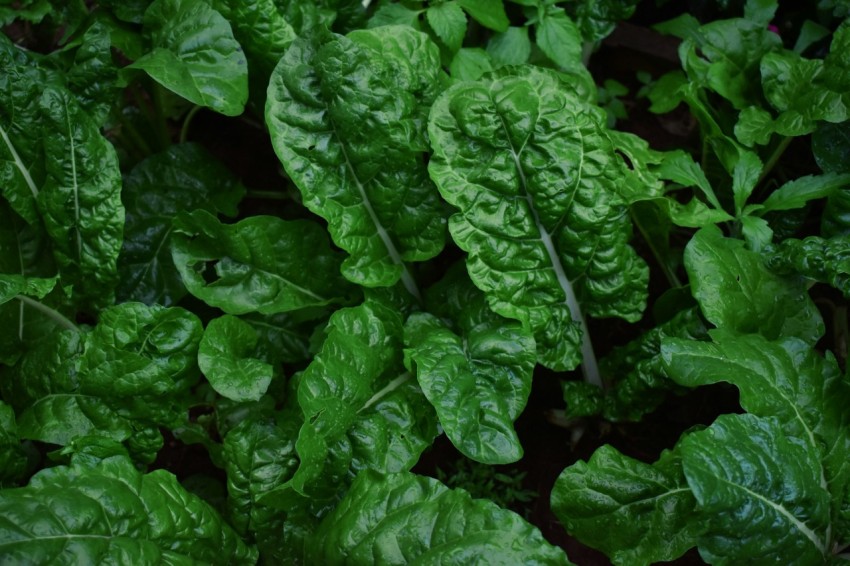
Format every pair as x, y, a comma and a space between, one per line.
796, 193
755, 126
260, 264
361, 409
259, 456
680, 167
831, 147
533, 234
227, 356
760, 492
511, 47
597, 19
760, 11
418, 520
184, 177
636, 513
560, 39
824, 260
13, 285
30, 10
787, 380
745, 176
396, 14
810, 33
13, 459
263, 32
109, 512
664, 94
285, 337
488, 13
469, 63
449, 23
757, 233
195, 55
80, 200
478, 381
347, 120
92, 75
738, 293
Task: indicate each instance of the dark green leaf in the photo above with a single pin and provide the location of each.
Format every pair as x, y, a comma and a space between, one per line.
184, 177
195, 55
347, 120
636, 513
416, 519
260, 264
824, 260
227, 356
110, 512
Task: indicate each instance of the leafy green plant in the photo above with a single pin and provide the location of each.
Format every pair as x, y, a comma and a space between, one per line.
456, 219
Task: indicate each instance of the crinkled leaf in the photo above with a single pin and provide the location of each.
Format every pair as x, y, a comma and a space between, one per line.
227, 356
760, 492
831, 147
260, 264
80, 200
824, 260
787, 380
109, 512
636, 513
195, 55
92, 75
285, 337
347, 119
13, 285
597, 19
28, 10
488, 13
259, 456
448, 22
535, 180
416, 519
478, 382
361, 410
738, 293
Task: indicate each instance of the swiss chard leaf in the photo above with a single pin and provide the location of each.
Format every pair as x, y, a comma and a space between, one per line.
636, 513
760, 492
419, 520
195, 55
228, 357
347, 119
260, 264
13, 460
109, 512
474, 366
824, 260
737, 292
533, 174
184, 177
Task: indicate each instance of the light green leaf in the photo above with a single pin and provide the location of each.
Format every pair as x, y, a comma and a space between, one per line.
13, 285
512, 47
738, 293
419, 520
227, 356
544, 243
636, 513
469, 63
810, 33
347, 119
560, 39
449, 23
184, 177
488, 13
396, 14
678, 166
109, 512
796, 193
260, 264
755, 126
760, 492
80, 200
757, 232
760, 11
195, 55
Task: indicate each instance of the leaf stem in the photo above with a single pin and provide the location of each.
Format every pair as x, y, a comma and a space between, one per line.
386, 390
25, 173
268, 195
52, 314
184, 131
133, 134
774, 158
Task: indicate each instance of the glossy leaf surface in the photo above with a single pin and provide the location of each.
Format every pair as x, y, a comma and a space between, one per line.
533, 175
260, 264
347, 119
227, 355
418, 520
